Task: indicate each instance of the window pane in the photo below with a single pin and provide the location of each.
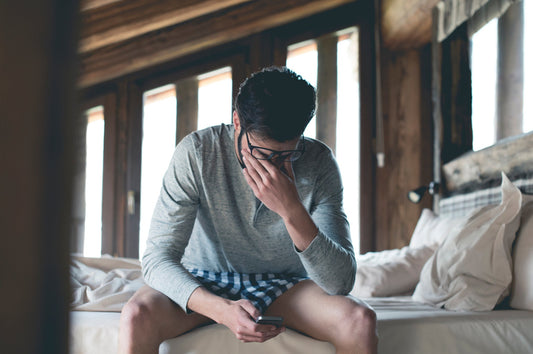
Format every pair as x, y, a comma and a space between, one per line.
528, 66
484, 81
214, 98
347, 136
158, 143
302, 58
92, 244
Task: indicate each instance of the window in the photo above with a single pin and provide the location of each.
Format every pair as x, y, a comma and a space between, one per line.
147, 113
528, 66
214, 98
484, 63
302, 58
92, 240
484, 70
208, 105
158, 143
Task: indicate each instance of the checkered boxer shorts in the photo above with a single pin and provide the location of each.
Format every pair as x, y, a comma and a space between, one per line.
260, 288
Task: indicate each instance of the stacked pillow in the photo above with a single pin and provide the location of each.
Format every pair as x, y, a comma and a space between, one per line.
472, 269
390, 272
522, 286
461, 263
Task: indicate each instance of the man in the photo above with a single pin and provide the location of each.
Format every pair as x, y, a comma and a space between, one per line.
250, 222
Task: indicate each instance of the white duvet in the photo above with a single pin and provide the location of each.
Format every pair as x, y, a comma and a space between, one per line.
103, 284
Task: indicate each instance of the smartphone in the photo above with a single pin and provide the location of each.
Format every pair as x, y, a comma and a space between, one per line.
270, 320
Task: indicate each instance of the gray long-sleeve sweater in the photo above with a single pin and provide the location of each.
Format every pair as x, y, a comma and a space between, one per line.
207, 217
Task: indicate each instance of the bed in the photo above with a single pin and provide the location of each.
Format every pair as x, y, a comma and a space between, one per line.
464, 284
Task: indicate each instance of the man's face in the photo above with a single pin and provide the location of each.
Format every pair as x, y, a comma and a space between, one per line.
278, 153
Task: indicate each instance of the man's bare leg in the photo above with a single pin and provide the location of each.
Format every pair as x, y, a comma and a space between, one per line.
149, 318
349, 324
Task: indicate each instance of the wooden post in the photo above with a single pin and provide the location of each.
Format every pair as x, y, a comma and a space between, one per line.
129, 245
436, 90
110, 196
39, 111
326, 114
510, 72
187, 109
367, 171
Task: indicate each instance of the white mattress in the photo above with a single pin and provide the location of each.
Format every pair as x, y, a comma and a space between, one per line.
408, 327
97, 332
403, 327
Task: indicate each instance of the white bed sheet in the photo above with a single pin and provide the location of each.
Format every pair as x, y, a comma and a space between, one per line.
404, 327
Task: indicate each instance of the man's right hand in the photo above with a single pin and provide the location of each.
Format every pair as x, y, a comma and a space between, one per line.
239, 316
240, 319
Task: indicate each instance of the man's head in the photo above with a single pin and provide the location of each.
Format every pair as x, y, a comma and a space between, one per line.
275, 103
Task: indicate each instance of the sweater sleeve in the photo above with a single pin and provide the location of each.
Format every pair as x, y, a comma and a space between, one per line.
171, 227
329, 259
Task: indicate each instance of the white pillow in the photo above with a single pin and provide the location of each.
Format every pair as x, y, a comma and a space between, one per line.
431, 229
472, 270
522, 288
390, 272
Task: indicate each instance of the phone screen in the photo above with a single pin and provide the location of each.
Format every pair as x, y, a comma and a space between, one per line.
270, 320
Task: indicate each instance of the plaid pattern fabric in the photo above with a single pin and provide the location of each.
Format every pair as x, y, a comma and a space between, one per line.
463, 204
260, 288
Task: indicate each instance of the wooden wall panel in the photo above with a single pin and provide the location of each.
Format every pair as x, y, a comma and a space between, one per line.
37, 96
408, 157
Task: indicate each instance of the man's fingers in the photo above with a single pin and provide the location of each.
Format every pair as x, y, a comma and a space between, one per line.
260, 336
250, 308
263, 167
252, 172
251, 182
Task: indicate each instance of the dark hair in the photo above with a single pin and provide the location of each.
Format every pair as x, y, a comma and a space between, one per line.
275, 103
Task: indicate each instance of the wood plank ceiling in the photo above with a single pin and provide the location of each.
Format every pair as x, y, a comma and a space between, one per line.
119, 37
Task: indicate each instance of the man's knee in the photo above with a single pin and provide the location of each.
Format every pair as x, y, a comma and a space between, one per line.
358, 323
137, 317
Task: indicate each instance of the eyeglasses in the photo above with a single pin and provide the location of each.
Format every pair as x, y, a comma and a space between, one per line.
262, 153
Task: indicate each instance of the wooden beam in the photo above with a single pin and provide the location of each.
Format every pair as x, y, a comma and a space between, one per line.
367, 171
187, 109
200, 33
436, 114
93, 4
119, 21
406, 23
512, 156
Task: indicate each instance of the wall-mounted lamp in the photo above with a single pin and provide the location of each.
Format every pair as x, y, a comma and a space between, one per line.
416, 195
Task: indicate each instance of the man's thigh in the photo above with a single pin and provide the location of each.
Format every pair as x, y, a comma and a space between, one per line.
307, 308
170, 320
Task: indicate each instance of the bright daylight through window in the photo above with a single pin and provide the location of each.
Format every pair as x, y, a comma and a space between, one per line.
94, 168
484, 80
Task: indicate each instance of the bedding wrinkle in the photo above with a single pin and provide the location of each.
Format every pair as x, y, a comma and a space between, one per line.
104, 284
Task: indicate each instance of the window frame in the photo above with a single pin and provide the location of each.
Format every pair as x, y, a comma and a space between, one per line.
124, 96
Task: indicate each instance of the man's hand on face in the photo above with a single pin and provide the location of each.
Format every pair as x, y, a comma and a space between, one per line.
272, 185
